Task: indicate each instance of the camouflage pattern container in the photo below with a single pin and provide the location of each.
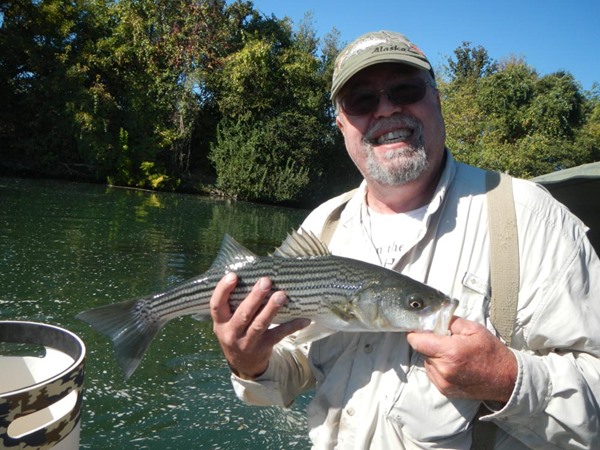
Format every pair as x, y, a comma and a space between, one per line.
41, 381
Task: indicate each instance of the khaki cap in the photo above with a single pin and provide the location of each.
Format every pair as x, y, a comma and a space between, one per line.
375, 48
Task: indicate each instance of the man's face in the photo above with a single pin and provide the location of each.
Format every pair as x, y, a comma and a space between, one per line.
393, 144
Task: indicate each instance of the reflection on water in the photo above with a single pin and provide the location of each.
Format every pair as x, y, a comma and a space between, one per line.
67, 247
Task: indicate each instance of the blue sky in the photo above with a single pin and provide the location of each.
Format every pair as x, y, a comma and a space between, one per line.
550, 35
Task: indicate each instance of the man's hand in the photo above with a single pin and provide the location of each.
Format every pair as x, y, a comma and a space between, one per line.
470, 363
245, 337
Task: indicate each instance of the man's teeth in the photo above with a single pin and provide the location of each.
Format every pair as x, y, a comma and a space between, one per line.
397, 135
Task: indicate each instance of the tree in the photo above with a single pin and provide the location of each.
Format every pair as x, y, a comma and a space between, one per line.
557, 109
151, 113
513, 120
503, 99
154, 93
588, 136
276, 137
40, 74
271, 160
465, 121
470, 64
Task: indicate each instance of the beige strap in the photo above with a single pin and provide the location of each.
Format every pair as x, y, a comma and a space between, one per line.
504, 254
333, 218
505, 274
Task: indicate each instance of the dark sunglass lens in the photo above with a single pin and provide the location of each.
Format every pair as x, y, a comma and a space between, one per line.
364, 101
359, 103
407, 92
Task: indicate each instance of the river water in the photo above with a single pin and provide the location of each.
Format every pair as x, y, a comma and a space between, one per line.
66, 247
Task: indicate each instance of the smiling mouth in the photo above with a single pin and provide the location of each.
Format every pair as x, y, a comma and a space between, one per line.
394, 136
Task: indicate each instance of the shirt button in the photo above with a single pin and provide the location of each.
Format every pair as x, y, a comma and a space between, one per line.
350, 411
368, 348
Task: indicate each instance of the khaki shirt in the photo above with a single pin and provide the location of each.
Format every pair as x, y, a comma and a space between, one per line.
371, 390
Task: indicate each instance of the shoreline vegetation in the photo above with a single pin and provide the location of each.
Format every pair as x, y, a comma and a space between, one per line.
196, 184
215, 98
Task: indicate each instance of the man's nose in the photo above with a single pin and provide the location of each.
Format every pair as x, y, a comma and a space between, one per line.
385, 107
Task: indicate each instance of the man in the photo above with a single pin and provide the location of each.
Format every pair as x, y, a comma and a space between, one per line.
421, 213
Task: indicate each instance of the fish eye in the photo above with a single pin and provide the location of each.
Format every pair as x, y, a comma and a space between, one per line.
415, 302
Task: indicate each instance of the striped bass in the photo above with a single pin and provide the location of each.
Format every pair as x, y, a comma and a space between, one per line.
335, 293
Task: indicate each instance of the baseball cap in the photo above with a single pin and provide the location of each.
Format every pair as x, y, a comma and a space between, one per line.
375, 48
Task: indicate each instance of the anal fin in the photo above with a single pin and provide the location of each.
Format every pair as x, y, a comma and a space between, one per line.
311, 333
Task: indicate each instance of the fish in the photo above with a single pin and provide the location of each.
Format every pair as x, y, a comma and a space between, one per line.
336, 293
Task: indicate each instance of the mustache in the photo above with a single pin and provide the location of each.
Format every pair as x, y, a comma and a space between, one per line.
390, 123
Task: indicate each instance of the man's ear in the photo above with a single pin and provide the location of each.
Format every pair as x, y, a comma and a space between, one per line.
339, 124
437, 96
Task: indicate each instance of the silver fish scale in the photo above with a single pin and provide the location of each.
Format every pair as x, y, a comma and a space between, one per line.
307, 281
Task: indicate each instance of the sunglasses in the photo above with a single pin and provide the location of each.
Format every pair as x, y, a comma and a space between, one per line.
363, 101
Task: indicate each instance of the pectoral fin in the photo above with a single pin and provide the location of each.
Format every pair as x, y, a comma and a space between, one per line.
343, 312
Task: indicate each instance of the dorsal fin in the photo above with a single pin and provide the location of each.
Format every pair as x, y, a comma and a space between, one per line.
301, 244
231, 252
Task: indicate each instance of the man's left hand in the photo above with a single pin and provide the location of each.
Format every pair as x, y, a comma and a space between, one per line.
469, 363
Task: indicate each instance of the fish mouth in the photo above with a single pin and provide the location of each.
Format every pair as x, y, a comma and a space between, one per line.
440, 321
443, 323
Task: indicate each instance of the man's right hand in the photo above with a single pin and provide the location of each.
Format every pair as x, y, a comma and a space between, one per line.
245, 337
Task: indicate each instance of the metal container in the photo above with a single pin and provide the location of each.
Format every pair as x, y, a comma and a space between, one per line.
41, 381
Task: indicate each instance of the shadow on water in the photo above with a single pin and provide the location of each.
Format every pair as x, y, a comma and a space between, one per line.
67, 247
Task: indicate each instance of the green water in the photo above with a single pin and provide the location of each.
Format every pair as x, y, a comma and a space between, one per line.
67, 247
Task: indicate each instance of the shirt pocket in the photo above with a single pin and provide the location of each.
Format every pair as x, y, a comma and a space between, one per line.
473, 300
425, 415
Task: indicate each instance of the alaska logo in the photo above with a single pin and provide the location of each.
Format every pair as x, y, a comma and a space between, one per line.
397, 48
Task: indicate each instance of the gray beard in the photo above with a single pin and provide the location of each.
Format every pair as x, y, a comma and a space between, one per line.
406, 164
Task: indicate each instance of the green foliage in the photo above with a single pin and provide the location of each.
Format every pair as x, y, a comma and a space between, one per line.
265, 77
154, 93
140, 98
557, 109
39, 45
133, 92
512, 120
276, 136
470, 64
274, 160
588, 136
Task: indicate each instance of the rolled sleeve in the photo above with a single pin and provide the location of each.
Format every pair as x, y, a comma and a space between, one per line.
287, 375
552, 393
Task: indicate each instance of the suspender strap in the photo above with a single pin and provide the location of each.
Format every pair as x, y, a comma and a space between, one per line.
504, 273
333, 218
504, 254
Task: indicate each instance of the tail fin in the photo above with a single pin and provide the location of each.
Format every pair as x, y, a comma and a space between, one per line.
130, 333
